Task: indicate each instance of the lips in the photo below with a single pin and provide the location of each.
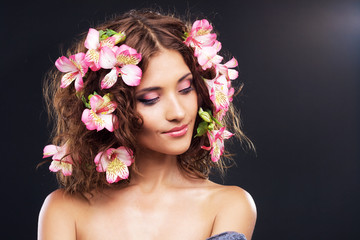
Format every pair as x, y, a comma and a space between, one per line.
177, 131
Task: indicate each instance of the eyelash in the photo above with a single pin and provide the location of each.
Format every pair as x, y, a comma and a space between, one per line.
150, 102
186, 90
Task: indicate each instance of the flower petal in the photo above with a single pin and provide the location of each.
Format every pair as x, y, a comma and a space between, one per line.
231, 63
110, 79
102, 161
116, 170
66, 168
49, 150
115, 162
79, 61
55, 166
207, 56
65, 65
92, 121
92, 39
205, 40
95, 102
107, 59
226, 134
126, 155
92, 59
108, 42
102, 105
107, 121
202, 24
233, 74
68, 78
107, 107
126, 55
78, 58
215, 153
125, 49
206, 148
131, 75
79, 84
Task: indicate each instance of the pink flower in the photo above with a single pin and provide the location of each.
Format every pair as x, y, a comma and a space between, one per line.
94, 46
75, 68
60, 160
220, 94
207, 56
200, 34
121, 60
216, 138
115, 163
100, 115
226, 70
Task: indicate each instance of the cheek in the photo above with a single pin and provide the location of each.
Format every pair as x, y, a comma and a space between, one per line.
149, 126
192, 104
150, 116
146, 136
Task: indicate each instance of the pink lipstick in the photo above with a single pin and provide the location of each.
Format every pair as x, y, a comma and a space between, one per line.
177, 131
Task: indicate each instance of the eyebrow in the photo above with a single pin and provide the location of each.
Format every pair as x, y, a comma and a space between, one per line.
149, 89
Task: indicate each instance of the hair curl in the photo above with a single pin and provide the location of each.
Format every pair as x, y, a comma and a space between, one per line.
148, 32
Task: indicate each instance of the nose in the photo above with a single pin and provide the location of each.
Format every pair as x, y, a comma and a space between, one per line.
175, 110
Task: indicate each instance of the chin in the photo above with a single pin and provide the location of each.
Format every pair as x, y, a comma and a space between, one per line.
176, 149
167, 147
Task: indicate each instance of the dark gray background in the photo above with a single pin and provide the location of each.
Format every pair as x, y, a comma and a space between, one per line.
299, 61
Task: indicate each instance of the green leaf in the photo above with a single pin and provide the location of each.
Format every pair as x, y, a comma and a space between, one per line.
202, 129
91, 95
217, 122
110, 32
185, 36
102, 35
85, 102
79, 95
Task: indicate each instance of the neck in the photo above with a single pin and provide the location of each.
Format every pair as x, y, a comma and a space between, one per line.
155, 171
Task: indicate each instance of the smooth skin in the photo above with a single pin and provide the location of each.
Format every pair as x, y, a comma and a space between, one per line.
161, 203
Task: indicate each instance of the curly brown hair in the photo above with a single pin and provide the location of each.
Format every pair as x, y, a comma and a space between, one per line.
148, 32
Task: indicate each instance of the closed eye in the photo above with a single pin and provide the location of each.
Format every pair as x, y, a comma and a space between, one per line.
148, 102
187, 89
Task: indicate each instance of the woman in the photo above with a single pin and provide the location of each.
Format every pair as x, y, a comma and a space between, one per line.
143, 106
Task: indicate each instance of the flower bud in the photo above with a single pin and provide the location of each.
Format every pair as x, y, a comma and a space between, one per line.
204, 115
119, 37
211, 126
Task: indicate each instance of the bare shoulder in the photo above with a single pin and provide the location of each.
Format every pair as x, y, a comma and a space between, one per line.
236, 210
233, 195
57, 216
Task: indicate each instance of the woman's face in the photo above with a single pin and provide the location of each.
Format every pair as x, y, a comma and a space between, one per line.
167, 101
